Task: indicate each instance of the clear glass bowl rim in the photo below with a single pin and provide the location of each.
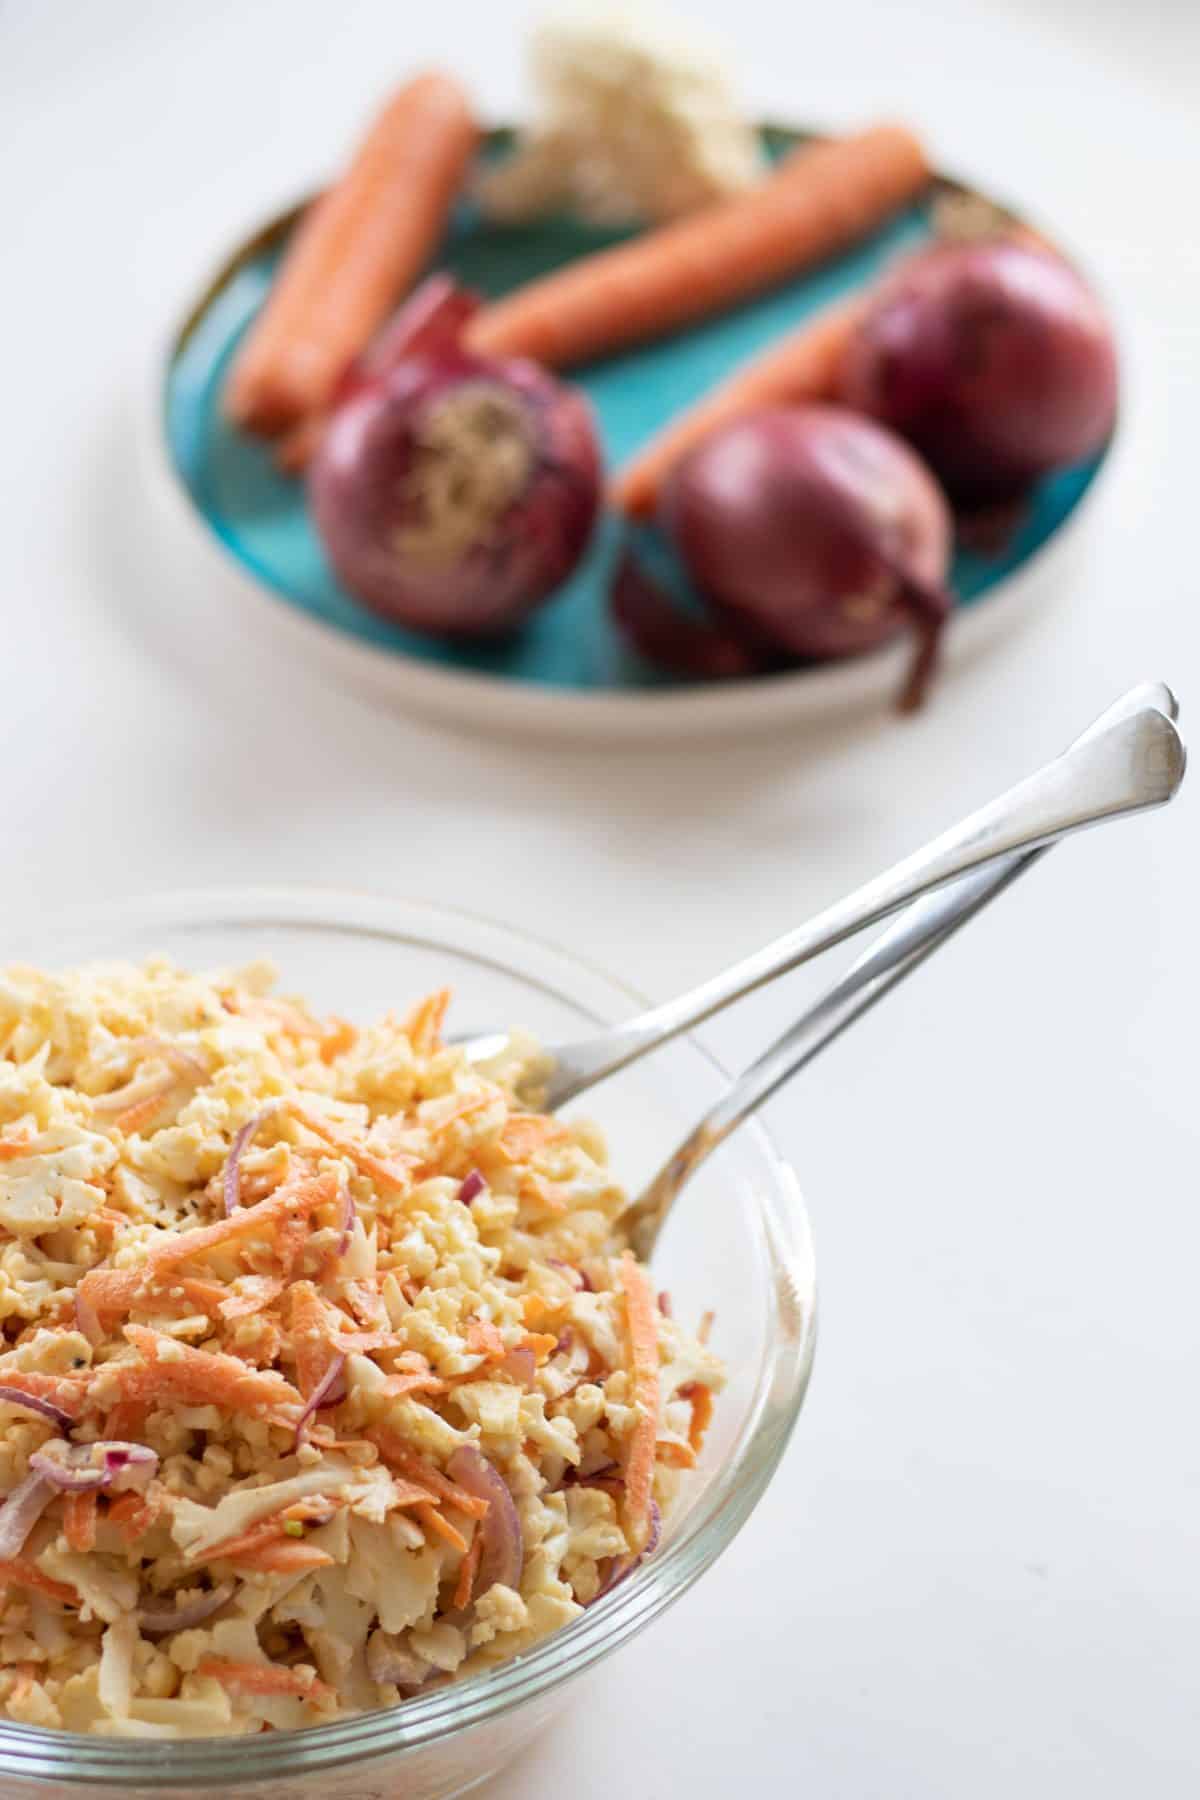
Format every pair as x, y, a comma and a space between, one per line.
33, 1755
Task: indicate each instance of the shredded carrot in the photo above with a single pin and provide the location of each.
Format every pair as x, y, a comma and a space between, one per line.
433, 1522
111, 1292
467, 1572
284, 1557
536, 1306
703, 1407
675, 1454
414, 1384
126, 1420
423, 1026
341, 1036
16, 1573
133, 1514
13, 1148
209, 1296
542, 1343
524, 1134
139, 1114
411, 1464
536, 1188
643, 1343
484, 1338
181, 1372
257, 1292
394, 1176
309, 1328
79, 1520
264, 1678
267, 1530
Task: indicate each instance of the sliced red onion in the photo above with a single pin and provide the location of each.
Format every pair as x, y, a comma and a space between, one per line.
348, 1216
391, 1664
664, 1304
108, 1463
157, 1617
127, 1465
328, 1392
621, 1566
503, 1554
237, 1150
12, 1396
521, 1365
21, 1511
472, 1187
579, 1277
68, 1478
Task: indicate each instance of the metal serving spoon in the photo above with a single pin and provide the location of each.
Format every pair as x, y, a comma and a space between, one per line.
1127, 761
921, 928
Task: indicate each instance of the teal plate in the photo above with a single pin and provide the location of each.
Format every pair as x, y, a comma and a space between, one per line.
570, 647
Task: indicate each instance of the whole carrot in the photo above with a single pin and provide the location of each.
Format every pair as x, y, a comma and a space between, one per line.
802, 366
819, 200
356, 251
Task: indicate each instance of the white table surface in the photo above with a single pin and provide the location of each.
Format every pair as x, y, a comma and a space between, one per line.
977, 1571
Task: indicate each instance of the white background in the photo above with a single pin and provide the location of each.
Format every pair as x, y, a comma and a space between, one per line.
977, 1572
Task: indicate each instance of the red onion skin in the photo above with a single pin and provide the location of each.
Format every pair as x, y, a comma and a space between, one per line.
795, 522
994, 360
359, 504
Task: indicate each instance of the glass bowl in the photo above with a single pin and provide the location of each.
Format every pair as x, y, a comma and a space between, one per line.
739, 1242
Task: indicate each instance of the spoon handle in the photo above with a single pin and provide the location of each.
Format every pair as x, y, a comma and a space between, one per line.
1119, 766
921, 929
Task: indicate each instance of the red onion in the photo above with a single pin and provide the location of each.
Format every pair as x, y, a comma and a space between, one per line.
240, 1144
455, 493
432, 318
348, 1215
108, 1463
329, 1391
391, 1664
21, 1510
157, 1617
994, 359
472, 1187
11, 1396
503, 1555
815, 530
702, 649
664, 1304
621, 1566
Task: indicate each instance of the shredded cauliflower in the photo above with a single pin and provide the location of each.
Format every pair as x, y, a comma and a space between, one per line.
636, 123
296, 1420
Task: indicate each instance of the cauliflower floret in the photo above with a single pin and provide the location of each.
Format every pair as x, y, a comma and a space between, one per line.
58, 1183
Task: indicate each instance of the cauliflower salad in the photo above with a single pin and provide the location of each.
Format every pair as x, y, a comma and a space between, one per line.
325, 1374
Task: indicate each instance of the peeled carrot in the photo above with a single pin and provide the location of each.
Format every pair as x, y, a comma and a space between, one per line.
820, 199
802, 366
357, 250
